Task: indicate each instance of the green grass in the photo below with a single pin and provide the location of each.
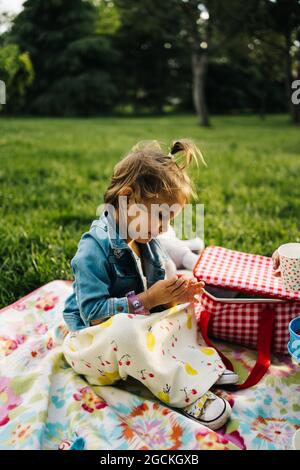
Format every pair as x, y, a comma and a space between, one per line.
54, 171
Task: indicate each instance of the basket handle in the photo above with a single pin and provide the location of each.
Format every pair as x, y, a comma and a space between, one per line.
264, 342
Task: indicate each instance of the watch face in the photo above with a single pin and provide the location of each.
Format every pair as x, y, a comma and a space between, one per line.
136, 303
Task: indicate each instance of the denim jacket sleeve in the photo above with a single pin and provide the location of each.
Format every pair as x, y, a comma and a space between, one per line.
92, 281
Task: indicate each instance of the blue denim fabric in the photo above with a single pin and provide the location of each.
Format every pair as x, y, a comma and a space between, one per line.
105, 269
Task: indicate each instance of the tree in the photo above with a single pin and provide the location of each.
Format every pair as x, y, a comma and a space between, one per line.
17, 73
99, 56
154, 61
211, 27
73, 65
197, 30
276, 25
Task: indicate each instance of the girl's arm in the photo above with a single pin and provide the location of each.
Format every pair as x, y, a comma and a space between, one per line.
144, 298
92, 283
159, 292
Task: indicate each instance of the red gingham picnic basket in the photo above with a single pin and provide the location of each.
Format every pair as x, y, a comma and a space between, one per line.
258, 317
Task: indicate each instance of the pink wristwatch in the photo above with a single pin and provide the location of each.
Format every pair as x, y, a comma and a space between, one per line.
138, 306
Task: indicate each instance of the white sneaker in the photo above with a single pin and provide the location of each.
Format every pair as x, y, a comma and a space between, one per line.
209, 410
228, 378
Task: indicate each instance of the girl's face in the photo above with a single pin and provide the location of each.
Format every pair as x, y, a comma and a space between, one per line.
145, 220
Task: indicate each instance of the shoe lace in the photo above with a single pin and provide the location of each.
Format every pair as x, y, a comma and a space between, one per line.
209, 399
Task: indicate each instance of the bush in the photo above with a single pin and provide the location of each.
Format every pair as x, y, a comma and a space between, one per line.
16, 71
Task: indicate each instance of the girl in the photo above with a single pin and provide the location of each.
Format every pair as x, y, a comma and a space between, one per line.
126, 318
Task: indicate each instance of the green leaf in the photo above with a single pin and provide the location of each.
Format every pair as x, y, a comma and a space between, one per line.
16, 412
37, 397
73, 407
293, 379
30, 319
30, 303
21, 385
42, 416
233, 425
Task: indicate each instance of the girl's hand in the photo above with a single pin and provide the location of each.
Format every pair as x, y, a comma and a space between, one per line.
193, 288
276, 263
164, 291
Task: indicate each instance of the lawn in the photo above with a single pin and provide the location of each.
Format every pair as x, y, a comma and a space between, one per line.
54, 171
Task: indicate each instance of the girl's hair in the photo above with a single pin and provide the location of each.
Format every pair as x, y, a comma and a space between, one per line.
153, 174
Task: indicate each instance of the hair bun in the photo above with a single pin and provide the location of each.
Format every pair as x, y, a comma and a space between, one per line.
189, 150
177, 147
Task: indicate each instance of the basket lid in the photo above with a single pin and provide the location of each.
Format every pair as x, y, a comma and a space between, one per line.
245, 272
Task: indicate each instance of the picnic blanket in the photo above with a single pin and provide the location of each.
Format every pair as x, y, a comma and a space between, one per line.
45, 405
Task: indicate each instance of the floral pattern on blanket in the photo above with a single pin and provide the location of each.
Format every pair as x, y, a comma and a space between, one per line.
45, 405
265, 417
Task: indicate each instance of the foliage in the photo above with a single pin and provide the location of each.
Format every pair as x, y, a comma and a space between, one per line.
73, 66
17, 72
107, 56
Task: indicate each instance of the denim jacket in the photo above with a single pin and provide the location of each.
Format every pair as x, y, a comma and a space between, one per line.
105, 269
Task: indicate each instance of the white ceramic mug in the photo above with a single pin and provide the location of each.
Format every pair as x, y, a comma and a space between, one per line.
289, 255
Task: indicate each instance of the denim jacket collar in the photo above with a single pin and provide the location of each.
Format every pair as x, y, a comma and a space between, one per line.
117, 242
112, 228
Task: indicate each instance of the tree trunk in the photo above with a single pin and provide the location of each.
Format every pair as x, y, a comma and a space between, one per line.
296, 114
199, 70
288, 80
293, 109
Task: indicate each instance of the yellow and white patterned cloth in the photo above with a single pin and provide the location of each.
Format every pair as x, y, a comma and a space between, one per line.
162, 350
